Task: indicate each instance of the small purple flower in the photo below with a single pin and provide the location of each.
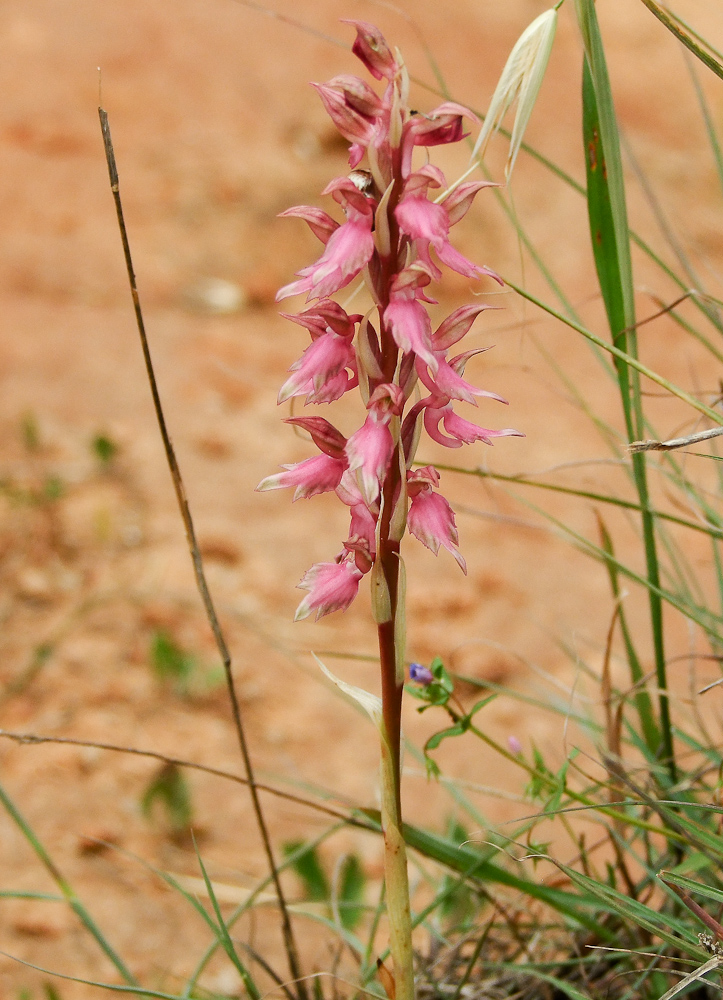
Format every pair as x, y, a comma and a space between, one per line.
419, 674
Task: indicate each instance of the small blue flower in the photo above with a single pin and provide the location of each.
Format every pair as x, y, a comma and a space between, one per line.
420, 674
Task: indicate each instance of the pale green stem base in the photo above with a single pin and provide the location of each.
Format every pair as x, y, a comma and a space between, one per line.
397, 879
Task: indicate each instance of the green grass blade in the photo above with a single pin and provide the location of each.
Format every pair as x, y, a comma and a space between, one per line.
607, 211
603, 228
48, 897
708, 121
715, 416
676, 932
674, 26
642, 697
307, 866
690, 885
470, 863
65, 888
138, 991
224, 936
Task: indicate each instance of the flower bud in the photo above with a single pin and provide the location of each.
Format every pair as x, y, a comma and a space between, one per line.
371, 47
324, 435
419, 674
353, 125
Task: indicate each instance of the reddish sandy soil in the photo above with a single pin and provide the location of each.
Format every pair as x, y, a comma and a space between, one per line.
216, 132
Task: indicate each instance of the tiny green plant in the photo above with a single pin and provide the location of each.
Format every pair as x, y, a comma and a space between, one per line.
343, 891
169, 790
30, 431
104, 448
170, 662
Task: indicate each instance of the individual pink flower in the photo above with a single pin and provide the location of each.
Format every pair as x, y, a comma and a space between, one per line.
320, 474
316, 371
428, 225
332, 586
320, 223
324, 435
430, 518
362, 536
325, 315
371, 47
370, 449
437, 128
406, 317
448, 379
457, 325
461, 431
352, 105
458, 201
346, 252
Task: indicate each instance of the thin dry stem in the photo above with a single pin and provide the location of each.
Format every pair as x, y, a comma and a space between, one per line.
288, 934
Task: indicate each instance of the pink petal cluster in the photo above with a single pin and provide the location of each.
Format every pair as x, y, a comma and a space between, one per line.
396, 234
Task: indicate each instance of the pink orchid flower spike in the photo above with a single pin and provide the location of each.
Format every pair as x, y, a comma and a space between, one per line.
394, 237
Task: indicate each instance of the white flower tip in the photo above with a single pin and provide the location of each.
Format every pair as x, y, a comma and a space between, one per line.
303, 610
269, 483
460, 560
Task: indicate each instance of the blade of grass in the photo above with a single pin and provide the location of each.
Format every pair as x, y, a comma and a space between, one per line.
642, 697
607, 211
674, 26
9, 894
111, 987
666, 926
66, 889
522, 479
223, 935
708, 121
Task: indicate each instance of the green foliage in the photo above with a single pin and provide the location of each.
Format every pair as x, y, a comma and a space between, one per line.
170, 662
104, 448
306, 863
349, 884
459, 905
53, 488
30, 431
436, 693
352, 885
169, 789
